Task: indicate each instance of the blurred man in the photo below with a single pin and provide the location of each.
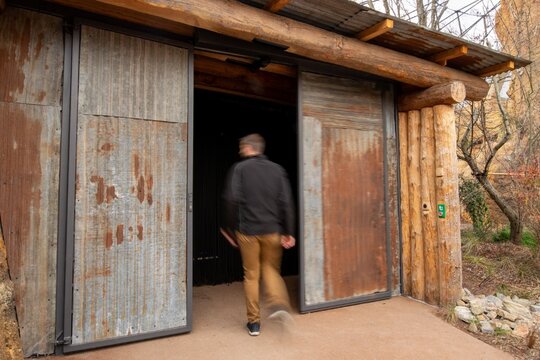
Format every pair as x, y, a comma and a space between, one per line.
260, 221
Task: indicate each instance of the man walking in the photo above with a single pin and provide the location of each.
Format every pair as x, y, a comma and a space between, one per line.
260, 221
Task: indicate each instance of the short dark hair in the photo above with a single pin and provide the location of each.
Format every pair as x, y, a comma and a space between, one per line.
255, 140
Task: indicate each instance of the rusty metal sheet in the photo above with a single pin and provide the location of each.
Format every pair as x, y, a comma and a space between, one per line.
29, 168
344, 201
130, 261
130, 77
130, 228
31, 64
31, 57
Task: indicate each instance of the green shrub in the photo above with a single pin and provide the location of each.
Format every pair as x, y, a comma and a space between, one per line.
502, 235
529, 240
472, 196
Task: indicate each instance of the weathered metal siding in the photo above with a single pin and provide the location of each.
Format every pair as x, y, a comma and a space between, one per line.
345, 253
130, 223
31, 63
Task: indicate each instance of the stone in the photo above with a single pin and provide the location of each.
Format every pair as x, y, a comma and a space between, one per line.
491, 315
523, 302
510, 324
536, 317
467, 292
461, 303
509, 316
517, 309
481, 296
534, 308
500, 296
521, 330
497, 324
486, 328
463, 313
506, 327
493, 300
473, 327
478, 306
481, 317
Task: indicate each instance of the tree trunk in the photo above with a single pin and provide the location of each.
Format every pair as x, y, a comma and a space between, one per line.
516, 225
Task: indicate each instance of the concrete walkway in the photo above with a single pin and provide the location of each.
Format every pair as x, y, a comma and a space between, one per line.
398, 328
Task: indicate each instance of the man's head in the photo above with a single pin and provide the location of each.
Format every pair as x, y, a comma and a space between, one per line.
251, 145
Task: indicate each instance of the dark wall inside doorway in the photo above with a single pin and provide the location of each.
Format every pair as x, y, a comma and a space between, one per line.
219, 121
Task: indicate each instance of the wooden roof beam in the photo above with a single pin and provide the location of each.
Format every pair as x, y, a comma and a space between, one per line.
276, 5
376, 30
496, 69
302, 39
444, 94
443, 57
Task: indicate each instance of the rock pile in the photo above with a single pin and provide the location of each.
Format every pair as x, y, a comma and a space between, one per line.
499, 314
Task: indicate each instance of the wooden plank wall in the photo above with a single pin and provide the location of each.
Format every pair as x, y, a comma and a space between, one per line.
130, 274
431, 255
31, 65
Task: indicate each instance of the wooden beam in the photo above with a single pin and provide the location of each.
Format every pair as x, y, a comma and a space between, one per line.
376, 30
216, 75
448, 94
276, 5
447, 189
404, 203
443, 57
496, 69
303, 39
273, 68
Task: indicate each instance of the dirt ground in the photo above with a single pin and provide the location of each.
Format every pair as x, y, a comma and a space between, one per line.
506, 268
10, 347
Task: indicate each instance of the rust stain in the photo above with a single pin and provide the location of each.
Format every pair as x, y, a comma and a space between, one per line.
97, 273
111, 194
140, 189
77, 183
119, 234
39, 45
41, 96
136, 165
168, 213
140, 232
107, 147
100, 192
149, 198
353, 208
20, 186
11, 62
149, 182
108, 239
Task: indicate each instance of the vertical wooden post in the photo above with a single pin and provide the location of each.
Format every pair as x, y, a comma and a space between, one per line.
448, 222
415, 211
404, 203
429, 204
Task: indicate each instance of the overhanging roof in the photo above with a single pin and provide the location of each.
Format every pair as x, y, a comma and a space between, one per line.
349, 18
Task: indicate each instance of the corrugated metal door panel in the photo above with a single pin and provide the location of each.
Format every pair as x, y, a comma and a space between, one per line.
344, 245
130, 261
31, 64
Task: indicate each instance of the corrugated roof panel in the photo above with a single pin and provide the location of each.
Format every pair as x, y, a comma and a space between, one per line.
349, 18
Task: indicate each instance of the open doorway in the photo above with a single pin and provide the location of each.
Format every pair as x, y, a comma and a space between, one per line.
220, 120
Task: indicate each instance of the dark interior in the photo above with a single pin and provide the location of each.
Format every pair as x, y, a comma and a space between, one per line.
219, 121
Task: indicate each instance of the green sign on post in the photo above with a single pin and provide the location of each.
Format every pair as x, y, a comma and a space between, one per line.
441, 210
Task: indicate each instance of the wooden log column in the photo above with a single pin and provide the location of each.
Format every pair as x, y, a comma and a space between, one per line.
415, 211
448, 221
429, 205
404, 203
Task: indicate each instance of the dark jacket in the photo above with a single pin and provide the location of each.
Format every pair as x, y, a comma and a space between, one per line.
257, 198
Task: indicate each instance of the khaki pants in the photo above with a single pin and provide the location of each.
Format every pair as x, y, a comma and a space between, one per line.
261, 259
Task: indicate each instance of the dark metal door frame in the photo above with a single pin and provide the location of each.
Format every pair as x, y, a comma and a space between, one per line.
389, 116
68, 165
